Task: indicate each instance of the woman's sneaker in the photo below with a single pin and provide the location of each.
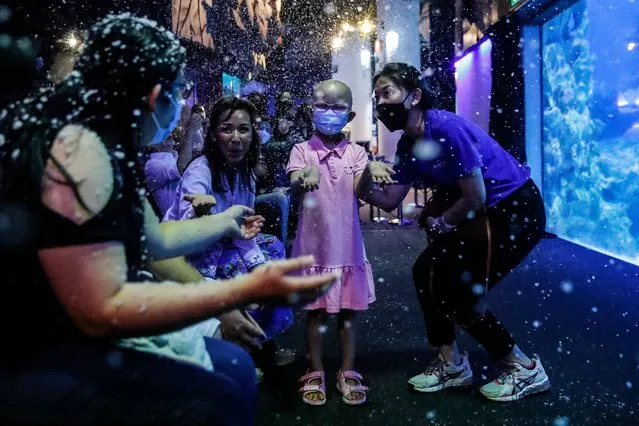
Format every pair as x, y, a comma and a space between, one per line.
517, 382
441, 374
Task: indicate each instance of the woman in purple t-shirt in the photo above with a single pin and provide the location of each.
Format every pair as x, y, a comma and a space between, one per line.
485, 216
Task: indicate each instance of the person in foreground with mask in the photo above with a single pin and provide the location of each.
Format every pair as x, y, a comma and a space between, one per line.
485, 216
74, 291
328, 168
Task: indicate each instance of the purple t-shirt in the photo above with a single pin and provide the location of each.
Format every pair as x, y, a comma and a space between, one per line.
451, 149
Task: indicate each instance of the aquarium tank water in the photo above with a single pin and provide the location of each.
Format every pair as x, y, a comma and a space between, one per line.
591, 125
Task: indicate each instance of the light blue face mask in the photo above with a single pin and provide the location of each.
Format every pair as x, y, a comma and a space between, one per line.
265, 136
329, 123
162, 133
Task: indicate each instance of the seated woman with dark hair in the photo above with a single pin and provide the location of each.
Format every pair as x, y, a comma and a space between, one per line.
222, 177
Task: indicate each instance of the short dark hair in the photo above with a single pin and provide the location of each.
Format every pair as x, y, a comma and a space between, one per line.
260, 103
198, 108
408, 78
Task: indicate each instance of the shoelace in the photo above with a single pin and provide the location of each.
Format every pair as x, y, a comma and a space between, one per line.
436, 365
510, 373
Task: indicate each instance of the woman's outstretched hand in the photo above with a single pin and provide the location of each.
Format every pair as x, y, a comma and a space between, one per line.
270, 283
381, 173
244, 224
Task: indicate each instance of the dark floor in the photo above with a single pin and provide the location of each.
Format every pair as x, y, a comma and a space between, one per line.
588, 340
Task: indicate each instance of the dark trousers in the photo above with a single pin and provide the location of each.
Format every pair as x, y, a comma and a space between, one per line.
275, 208
456, 270
85, 384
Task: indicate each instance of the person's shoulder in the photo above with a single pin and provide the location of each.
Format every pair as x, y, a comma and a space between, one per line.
356, 148
440, 120
81, 153
161, 159
79, 158
199, 164
198, 169
444, 124
303, 146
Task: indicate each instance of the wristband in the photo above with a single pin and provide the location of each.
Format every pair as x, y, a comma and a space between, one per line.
446, 227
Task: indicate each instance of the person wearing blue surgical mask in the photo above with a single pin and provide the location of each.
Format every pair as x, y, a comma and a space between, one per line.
75, 291
264, 131
165, 110
326, 171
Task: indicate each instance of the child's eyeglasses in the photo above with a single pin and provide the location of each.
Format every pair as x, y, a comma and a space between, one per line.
337, 108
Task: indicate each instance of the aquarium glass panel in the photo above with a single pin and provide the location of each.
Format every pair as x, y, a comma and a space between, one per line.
591, 125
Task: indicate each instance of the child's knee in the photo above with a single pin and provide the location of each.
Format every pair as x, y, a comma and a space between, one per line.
345, 317
317, 315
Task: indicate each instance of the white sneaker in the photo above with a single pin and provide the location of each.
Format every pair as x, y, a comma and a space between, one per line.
517, 382
441, 374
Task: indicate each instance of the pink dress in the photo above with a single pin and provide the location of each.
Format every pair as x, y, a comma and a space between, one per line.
329, 226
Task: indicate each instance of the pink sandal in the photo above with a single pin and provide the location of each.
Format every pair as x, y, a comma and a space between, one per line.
346, 389
307, 388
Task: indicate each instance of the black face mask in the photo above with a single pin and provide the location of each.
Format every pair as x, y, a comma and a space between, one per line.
394, 116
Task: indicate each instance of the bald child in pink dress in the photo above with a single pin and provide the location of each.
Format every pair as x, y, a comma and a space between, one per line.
327, 169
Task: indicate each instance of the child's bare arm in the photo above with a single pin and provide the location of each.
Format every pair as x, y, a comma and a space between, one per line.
356, 183
296, 182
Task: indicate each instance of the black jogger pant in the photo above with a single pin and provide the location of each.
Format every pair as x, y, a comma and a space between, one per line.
456, 270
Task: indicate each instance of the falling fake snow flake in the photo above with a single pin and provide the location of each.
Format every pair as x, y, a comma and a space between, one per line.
427, 150
330, 9
566, 286
561, 421
478, 289
293, 298
310, 202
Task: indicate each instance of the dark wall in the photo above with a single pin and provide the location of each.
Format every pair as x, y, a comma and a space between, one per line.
507, 123
17, 55
204, 68
47, 23
442, 53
